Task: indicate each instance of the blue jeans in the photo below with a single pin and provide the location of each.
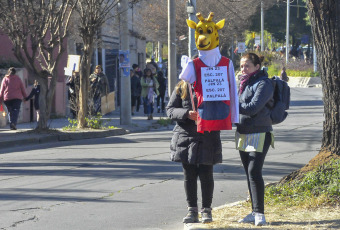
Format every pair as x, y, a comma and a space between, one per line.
253, 163
149, 106
97, 102
13, 107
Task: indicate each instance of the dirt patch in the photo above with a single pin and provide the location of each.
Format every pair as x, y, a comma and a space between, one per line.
321, 158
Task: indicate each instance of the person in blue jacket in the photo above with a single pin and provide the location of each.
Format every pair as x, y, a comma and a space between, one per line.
253, 133
35, 93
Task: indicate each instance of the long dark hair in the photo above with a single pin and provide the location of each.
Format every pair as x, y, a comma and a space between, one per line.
11, 71
145, 71
253, 58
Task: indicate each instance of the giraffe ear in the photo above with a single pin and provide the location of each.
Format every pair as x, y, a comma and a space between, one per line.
220, 24
191, 24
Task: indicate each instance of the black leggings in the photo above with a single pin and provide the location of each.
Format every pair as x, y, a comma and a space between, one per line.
205, 174
253, 163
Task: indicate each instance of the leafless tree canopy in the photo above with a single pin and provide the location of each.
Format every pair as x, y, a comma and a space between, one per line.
92, 14
37, 29
236, 13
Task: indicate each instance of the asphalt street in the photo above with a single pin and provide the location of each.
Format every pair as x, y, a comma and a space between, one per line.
128, 182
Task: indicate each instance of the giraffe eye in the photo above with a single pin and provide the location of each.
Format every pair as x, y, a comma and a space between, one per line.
210, 30
200, 30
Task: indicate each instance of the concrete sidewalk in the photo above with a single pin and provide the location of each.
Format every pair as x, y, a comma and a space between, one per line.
25, 133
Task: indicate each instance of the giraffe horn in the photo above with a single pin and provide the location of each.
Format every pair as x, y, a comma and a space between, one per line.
200, 17
210, 17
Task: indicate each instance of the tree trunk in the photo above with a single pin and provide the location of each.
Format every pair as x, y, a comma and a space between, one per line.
84, 85
43, 116
324, 15
47, 90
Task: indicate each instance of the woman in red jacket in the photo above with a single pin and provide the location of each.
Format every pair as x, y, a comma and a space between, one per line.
12, 92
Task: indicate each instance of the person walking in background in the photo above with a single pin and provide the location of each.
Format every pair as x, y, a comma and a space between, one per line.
197, 152
35, 93
12, 93
283, 75
152, 65
73, 83
253, 134
99, 87
139, 74
137, 70
149, 88
135, 90
162, 87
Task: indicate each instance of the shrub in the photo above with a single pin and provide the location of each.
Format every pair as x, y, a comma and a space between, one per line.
164, 121
297, 68
92, 122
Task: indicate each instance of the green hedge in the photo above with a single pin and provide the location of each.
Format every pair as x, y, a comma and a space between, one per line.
275, 70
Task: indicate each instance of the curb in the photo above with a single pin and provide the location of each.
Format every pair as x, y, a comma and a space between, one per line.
28, 139
64, 136
18, 142
70, 136
304, 82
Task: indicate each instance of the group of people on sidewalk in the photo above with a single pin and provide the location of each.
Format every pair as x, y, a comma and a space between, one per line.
13, 92
199, 151
146, 87
99, 87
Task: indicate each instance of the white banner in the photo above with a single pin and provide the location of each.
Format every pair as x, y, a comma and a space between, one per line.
241, 47
215, 84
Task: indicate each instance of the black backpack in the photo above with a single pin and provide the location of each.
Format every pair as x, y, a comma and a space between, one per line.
281, 100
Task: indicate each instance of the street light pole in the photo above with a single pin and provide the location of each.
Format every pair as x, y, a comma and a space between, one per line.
172, 66
262, 27
315, 62
191, 10
125, 87
287, 31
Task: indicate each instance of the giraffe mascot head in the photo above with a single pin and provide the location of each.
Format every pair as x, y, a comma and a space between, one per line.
206, 35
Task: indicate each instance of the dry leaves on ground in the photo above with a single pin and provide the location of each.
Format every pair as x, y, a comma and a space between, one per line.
278, 218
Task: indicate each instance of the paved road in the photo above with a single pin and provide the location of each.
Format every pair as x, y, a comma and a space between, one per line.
127, 182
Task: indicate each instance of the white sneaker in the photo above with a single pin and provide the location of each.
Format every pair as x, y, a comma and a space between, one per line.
250, 218
260, 220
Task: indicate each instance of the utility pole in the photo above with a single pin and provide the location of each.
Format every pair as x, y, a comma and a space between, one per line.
315, 61
160, 52
125, 87
232, 49
262, 27
287, 31
172, 65
191, 10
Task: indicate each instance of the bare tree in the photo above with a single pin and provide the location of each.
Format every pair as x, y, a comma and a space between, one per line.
153, 23
236, 13
92, 15
37, 30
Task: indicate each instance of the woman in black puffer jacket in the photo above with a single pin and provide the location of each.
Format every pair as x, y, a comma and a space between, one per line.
197, 152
